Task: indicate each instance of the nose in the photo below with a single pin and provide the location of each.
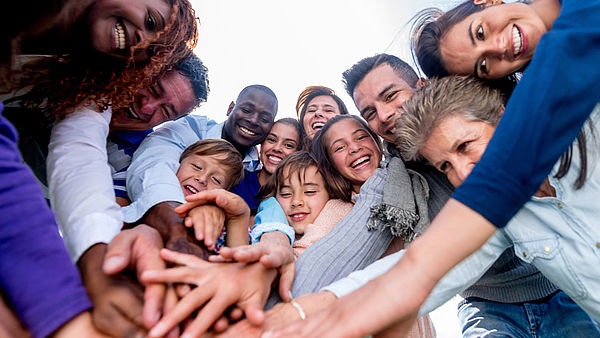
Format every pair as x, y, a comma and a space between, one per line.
278, 148
201, 179
253, 119
149, 104
385, 115
297, 201
319, 113
463, 169
497, 47
354, 147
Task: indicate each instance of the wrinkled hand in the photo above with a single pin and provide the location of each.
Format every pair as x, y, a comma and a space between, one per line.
138, 249
208, 222
274, 252
219, 285
118, 300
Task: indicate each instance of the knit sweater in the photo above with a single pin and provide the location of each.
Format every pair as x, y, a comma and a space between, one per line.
331, 214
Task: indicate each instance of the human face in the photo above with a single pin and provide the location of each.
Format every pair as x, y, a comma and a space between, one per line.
353, 151
494, 42
117, 25
456, 145
198, 173
379, 96
171, 97
250, 119
282, 140
319, 110
302, 200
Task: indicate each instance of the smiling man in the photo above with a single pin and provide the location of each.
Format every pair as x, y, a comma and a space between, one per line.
151, 180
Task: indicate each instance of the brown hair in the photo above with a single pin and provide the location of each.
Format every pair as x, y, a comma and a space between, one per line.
63, 82
321, 153
210, 147
296, 163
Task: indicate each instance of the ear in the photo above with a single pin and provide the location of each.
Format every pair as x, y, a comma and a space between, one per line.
487, 3
230, 108
421, 82
502, 108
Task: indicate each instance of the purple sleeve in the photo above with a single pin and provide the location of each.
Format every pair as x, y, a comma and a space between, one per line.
36, 273
545, 113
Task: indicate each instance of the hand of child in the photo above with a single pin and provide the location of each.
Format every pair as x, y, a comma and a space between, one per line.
207, 221
219, 286
234, 206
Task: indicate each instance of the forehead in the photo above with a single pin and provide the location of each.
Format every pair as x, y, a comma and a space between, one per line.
260, 99
456, 47
342, 129
211, 160
323, 100
367, 91
178, 90
303, 175
283, 129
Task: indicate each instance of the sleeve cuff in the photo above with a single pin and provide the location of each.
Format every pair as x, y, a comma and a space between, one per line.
263, 228
92, 229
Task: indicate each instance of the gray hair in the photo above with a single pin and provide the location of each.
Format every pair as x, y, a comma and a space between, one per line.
464, 96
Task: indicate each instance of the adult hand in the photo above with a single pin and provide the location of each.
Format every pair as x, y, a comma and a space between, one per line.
274, 252
78, 326
175, 235
138, 249
117, 300
281, 315
219, 285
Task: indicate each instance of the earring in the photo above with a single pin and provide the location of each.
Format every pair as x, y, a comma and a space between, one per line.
486, 2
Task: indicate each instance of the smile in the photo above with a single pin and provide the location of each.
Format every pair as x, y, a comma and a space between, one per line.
247, 131
317, 125
131, 114
361, 162
299, 217
119, 36
191, 189
517, 38
274, 159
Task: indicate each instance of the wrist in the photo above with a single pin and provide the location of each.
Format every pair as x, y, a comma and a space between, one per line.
165, 220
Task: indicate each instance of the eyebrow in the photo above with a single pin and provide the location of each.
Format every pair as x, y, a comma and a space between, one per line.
161, 23
311, 184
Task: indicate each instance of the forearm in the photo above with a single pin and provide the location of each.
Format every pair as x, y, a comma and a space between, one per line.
237, 234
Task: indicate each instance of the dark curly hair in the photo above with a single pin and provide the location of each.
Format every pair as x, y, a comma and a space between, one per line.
62, 82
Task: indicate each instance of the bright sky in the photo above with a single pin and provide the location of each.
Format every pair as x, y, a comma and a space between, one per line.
288, 46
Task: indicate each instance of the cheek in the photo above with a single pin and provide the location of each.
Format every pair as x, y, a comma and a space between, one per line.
284, 202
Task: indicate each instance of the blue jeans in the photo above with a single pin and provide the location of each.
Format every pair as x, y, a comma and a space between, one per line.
554, 316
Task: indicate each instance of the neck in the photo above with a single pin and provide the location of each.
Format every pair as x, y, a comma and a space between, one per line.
263, 176
547, 10
241, 149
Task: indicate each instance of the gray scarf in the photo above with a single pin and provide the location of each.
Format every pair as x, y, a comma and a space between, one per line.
404, 205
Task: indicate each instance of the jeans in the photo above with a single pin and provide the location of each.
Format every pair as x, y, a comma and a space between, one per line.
555, 316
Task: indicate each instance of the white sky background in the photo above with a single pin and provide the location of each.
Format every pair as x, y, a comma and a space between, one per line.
289, 45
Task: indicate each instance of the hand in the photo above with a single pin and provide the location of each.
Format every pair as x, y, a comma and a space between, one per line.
175, 235
219, 285
274, 252
78, 326
138, 249
282, 315
117, 300
208, 222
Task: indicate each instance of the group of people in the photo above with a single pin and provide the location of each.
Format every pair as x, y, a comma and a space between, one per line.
479, 180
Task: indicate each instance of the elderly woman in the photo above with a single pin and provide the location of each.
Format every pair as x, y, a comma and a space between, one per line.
449, 123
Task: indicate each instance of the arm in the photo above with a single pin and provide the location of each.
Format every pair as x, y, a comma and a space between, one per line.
81, 190
32, 250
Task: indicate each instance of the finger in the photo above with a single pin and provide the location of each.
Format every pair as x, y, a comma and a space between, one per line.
286, 280
118, 253
220, 325
182, 310
173, 275
170, 303
182, 259
117, 325
182, 290
255, 314
250, 253
154, 296
218, 258
208, 315
188, 221
236, 314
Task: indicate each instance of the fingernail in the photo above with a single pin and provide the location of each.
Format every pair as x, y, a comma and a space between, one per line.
290, 293
157, 330
268, 334
113, 263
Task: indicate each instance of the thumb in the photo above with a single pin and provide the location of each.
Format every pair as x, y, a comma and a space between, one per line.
254, 314
286, 280
118, 254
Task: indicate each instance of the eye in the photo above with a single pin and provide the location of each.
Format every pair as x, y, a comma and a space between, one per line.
444, 166
483, 66
150, 23
290, 145
216, 180
361, 137
166, 112
479, 33
338, 148
197, 167
310, 192
390, 97
245, 110
154, 90
368, 115
265, 120
285, 194
463, 147
271, 139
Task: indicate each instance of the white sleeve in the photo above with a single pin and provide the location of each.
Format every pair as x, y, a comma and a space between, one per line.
80, 183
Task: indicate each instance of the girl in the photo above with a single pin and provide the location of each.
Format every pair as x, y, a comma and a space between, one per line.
315, 106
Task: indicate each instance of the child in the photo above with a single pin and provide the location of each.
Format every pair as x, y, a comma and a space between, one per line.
207, 165
312, 206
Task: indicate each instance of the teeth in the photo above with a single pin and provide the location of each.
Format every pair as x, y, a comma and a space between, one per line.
133, 114
119, 35
247, 131
274, 159
359, 161
517, 41
318, 125
297, 217
192, 189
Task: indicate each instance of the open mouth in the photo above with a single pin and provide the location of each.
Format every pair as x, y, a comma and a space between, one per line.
247, 131
317, 125
517, 39
131, 114
361, 162
191, 189
274, 159
120, 35
299, 217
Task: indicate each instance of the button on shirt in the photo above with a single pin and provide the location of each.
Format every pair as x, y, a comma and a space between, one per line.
151, 177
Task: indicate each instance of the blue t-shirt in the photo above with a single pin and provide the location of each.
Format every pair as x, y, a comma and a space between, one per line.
545, 113
247, 188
